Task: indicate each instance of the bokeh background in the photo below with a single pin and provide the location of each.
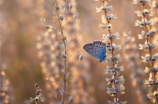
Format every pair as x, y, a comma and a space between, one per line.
21, 26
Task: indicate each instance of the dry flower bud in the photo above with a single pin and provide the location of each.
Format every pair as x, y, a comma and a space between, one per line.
111, 91
118, 68
117, 58
110, 80
141, 1
109, 70
121, 89
38, 95
149, 82
100, 9
147, 12
61, 18
71, 99
153, 4
140, 23
80, 57
152, 46
109, 17
109, 49
116, 47
155, 69
120, 80
144, 13
139, 13
115, 36
149, 23
36, 85
109, 26
106, 37
108, 8
57, 7
108, 59
64, 56
154, 57
47, 27
103, 26
103, 8
140, 36
64, 37
143, 47
155, 93
70, 6
151, 33
146, 59
148, 70
36, 99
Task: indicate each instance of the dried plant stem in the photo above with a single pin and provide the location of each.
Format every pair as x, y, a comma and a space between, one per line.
65, 60
154, 14
156, 7
112, 53
150, 52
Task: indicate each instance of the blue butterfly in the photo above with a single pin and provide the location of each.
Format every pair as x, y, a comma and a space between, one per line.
97, 49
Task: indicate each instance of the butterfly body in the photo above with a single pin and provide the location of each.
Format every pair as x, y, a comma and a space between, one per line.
97, 49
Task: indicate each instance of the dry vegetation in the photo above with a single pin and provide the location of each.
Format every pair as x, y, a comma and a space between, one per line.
42, 60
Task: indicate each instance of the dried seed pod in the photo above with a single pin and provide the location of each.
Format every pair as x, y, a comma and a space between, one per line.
47, 27
70, 6
57, 7
61, 18
80, 57
64, 37
71, 99
64, 56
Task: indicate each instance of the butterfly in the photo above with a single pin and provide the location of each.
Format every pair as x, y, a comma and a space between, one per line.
97, 49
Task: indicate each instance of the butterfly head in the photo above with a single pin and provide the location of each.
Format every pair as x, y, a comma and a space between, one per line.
100, 61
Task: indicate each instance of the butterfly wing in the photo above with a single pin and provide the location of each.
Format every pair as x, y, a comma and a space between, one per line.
97, 49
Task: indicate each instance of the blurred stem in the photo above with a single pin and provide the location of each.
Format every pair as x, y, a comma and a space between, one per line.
155, 9
150, 50
112, 53
65, 60
1, 76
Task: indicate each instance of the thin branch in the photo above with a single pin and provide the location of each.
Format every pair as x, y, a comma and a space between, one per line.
65, 52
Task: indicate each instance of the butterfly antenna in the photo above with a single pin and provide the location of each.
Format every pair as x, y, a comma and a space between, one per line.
95, 65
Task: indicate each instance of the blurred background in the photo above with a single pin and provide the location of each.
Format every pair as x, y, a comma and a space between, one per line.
21, 27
